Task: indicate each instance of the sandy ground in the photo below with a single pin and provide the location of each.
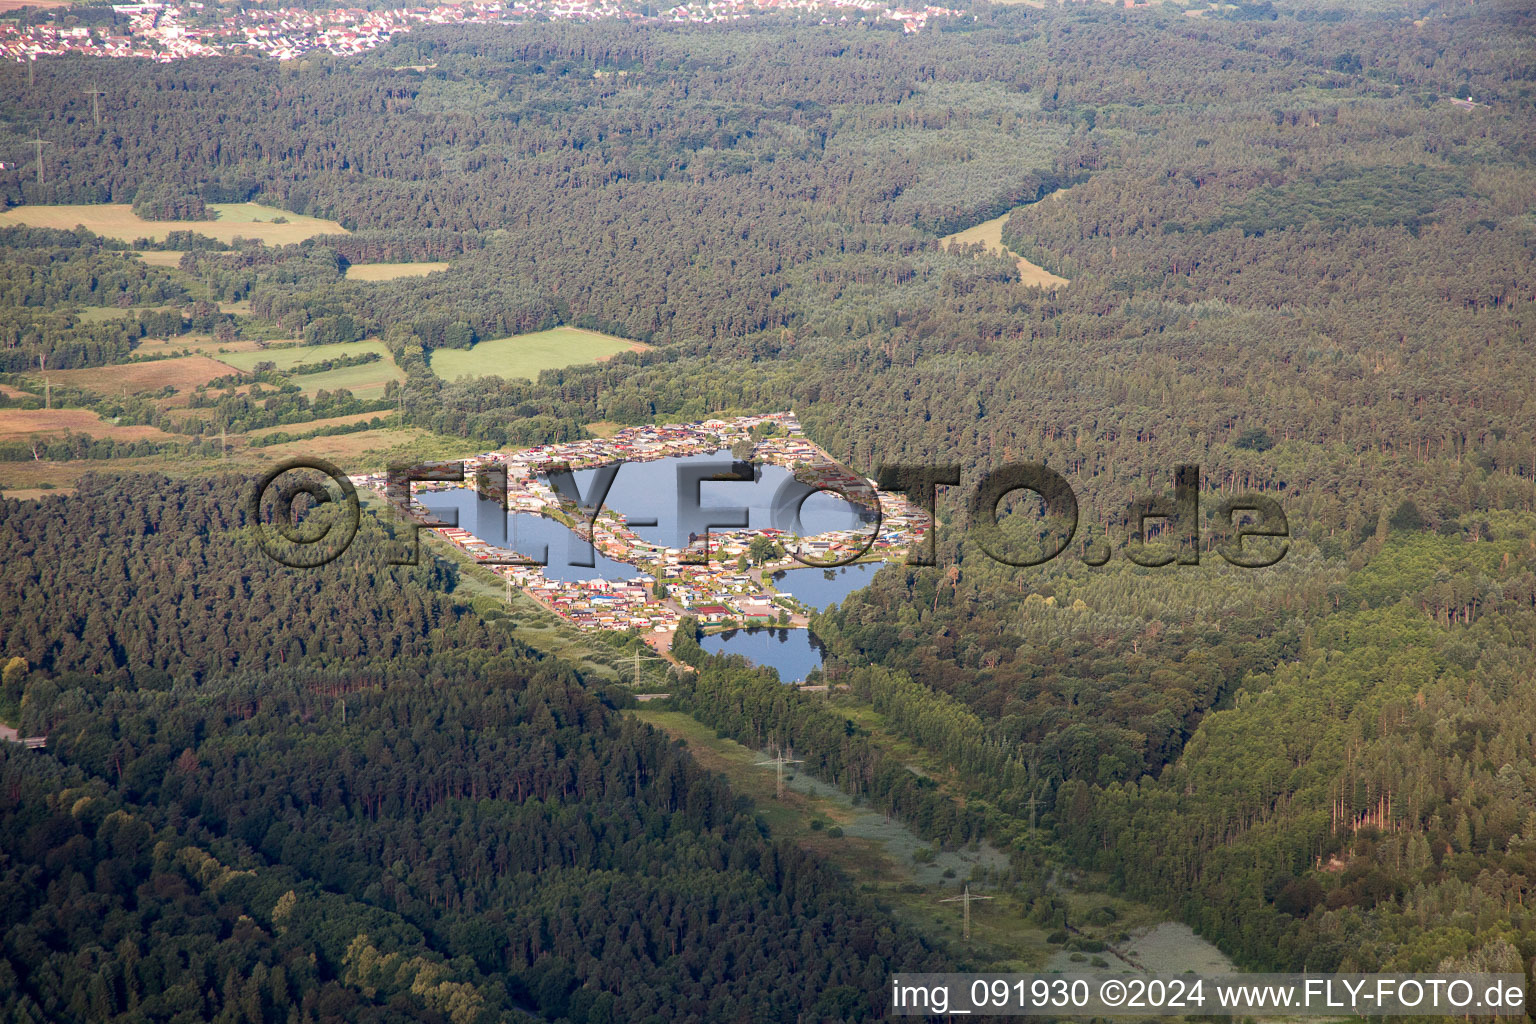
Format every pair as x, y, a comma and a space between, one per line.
990, 234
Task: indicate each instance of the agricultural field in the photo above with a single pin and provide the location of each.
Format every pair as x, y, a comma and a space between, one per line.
365, 381
528, 355
183, 373
297, 355
391, 271
192, 344
361, 452
117, 220
990, 234
320, 424
22, 424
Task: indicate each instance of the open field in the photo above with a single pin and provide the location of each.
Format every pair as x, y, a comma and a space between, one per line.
364, 451
19, 479
117, 220
183, 374
317, 424
528, 355
990, 234
160, 258
21, 424
194, 344
96, 314
391, 271
38, 479
298, 355
366, 381
320, 424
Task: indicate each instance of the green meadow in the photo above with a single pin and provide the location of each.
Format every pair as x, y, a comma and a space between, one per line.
365, 381
296, 355
527, 355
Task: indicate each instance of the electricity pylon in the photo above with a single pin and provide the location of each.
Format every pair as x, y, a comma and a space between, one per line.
38, 144
95, 95
966, 899
779, 762
638, 656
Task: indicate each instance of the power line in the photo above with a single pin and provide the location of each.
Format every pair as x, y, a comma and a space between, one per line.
779, 762
38, 144
95, 94
648, 657
966, 898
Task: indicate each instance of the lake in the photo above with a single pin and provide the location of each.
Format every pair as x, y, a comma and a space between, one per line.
528, 534
823, 588
660, 494
792, 652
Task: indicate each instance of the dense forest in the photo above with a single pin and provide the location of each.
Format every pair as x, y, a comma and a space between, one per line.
1293, 262
389, 809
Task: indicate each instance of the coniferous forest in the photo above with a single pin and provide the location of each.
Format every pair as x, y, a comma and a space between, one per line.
358, 794
387, 810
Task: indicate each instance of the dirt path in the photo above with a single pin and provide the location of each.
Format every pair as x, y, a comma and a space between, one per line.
990, 234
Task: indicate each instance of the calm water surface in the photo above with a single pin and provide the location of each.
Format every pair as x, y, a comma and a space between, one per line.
528, 534
823, 588
793, 652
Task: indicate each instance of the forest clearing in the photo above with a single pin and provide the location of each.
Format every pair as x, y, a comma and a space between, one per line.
117, 220
286, 357
392, 271
365, 380
159, 257
528, 355
990, 234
